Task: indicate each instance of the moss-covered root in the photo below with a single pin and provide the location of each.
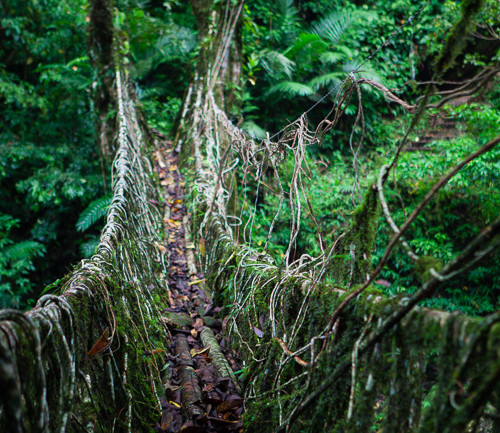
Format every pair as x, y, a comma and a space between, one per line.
218, 359
191, 392
355, 248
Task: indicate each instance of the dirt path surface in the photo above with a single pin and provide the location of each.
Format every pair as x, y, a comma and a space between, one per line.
201, 391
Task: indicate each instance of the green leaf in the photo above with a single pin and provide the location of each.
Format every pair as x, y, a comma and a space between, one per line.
276, 64
24, 250
290, 89
332, 79
334, 26
253, 130
87, 249
331, 57
94, 212
305, 40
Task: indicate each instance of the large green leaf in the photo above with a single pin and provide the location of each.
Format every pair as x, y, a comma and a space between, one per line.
331, 80
253, 130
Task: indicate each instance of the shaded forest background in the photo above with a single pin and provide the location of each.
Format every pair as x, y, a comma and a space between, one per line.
55, 183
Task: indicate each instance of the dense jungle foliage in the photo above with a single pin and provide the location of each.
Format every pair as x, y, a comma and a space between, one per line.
54, 184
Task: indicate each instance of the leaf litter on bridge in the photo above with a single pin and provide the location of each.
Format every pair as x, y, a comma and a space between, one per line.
197, 397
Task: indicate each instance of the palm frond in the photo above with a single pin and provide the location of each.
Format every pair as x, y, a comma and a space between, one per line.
174, 42
93, 213
334, 26
365, 72
290, 89
286, 8
286, 21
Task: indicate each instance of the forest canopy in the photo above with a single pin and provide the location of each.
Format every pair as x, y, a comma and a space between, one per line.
55, 182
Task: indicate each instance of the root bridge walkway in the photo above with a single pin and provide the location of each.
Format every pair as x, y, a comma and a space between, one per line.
201, 391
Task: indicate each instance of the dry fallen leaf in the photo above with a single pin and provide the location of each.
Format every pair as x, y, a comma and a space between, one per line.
198, 324
166, 419
195, 352
192, 283
258, 332
160, 248
173, 223
101, 343
201, 246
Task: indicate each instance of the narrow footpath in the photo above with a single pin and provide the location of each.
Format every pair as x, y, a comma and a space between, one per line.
201, 390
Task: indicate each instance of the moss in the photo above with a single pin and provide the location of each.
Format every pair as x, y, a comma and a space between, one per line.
355, 249
425, 264
457, 37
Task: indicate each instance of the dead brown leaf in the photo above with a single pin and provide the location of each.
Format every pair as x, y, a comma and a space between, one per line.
101, 343
195, 352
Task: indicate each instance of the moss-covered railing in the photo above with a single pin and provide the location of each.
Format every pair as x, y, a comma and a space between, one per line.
376, 365
84, 360
330, 356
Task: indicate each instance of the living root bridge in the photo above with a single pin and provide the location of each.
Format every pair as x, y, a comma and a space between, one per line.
75, 362
314, 375
313, 362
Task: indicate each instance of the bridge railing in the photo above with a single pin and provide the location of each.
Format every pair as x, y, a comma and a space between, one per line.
320, 356
83, 360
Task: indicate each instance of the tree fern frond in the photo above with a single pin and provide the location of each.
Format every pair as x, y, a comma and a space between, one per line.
331, 57
276, 64
94, 212
253, 130
331, 80
290, 89
333, 26
305, 40
365, 72
87, 249
24, 250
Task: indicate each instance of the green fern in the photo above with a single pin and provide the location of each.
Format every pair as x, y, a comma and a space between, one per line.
331, 57
253, 130
87, 249
286, 21
24, 250
94, 212
174, 42
306, 40
291, 89
335, 25
276, 64
331, 80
